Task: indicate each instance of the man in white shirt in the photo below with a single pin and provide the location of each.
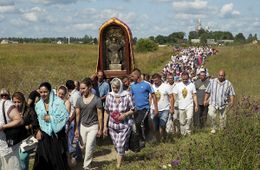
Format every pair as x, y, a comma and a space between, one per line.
187, 97
164, 97
174, 116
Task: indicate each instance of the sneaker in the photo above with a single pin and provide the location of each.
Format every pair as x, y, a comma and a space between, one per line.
213, 131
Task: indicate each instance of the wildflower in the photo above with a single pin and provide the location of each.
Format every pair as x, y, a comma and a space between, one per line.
175, 163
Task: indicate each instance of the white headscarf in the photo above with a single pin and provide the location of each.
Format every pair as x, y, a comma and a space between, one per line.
121, 92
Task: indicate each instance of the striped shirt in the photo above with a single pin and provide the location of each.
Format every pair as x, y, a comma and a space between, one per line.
219, 93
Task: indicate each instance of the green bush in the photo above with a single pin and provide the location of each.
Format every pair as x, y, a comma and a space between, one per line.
146, 45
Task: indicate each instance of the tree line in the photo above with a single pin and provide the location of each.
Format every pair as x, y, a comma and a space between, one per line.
150, 43
75, 40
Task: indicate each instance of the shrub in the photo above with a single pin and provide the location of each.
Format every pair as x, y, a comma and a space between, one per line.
146, 45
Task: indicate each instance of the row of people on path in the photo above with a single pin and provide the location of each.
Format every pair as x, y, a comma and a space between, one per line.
59, 117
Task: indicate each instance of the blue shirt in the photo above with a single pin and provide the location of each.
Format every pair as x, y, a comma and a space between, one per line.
140, 92
103, 88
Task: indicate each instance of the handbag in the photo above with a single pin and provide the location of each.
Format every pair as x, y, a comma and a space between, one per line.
13, 135
29, 144
134, 140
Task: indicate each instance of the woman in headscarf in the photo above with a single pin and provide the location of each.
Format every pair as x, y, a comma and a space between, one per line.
52, 116
118, 108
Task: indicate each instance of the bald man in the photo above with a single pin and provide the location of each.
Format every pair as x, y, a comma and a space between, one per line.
220, 96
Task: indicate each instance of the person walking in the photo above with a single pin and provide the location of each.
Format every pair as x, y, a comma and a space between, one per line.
88, 120
219, 96
165, 103
201, 84
141, 91
51, 152
9, 156
30, 125
117, 118
187, 98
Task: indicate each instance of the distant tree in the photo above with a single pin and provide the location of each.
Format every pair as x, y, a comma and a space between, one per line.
135, 40
145, 45
193, 35
255, 37
203, 38
152, 38
250, 38
87, 39
161, 39
95, 41
240, 38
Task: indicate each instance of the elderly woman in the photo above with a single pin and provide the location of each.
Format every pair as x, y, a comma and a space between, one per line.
118, 108
52, 116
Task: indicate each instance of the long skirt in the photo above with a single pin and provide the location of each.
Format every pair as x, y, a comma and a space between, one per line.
120, 134
51, 152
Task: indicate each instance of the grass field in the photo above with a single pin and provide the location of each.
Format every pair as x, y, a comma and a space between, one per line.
242, 65
23, 67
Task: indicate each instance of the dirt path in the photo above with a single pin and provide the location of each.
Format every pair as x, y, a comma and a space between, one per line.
103, 156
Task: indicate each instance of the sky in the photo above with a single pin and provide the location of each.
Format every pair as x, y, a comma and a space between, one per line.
77, 18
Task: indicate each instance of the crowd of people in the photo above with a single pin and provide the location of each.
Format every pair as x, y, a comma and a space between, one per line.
67, 121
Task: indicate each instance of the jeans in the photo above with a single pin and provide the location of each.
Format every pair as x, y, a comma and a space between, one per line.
200, 117
24, 159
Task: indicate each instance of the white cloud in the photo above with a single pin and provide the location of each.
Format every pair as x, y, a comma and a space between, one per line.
164, 0
88, 11
109, 13
85, 26
33, 15
227, 10
58, 1
256, 23
30, 16
187, 5
184, 16
5, 7
235, 13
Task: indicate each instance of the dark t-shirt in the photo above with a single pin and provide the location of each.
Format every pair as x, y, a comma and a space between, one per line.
88, 112
200, 88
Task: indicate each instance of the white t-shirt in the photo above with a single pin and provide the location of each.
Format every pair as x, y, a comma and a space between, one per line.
74, 96
162, 94
184, 93
4, 149
175, 95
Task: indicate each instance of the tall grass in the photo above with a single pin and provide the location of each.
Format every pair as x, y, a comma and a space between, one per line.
242, 65
24, 66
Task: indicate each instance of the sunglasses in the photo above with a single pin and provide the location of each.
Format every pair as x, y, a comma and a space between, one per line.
4, 95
